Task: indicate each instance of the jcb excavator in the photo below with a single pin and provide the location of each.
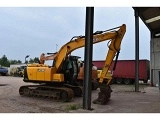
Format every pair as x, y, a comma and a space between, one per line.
59, 80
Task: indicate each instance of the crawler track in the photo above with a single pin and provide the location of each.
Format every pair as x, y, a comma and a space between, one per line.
59, 93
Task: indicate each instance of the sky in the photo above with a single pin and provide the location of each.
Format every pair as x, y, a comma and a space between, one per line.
35, 30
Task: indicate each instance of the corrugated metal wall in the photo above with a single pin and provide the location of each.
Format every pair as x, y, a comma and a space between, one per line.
155, 60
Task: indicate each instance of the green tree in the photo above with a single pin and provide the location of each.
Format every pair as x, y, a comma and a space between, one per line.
31, 60
19, 61
15, 61
35, 60
4, 61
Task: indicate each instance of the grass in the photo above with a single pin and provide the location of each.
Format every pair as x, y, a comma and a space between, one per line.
73, 107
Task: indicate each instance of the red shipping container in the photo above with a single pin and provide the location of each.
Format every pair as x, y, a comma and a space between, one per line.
125, 70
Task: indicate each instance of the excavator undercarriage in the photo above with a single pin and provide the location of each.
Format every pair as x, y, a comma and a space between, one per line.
62, 93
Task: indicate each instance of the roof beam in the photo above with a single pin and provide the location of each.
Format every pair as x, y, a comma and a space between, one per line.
153, 19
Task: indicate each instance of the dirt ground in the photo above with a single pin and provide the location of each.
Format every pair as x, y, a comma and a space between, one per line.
123, 100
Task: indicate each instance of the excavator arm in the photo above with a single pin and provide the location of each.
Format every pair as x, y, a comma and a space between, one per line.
114, 49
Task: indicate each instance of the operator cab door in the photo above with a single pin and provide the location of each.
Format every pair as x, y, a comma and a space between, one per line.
70, 69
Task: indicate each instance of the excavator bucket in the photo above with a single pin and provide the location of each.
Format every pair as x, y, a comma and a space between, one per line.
104, 94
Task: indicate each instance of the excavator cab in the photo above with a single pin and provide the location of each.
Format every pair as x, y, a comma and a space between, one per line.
70, 69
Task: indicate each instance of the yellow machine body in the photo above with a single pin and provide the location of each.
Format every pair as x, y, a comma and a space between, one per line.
41, 72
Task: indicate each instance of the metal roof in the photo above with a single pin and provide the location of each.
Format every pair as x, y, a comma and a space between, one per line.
151, 18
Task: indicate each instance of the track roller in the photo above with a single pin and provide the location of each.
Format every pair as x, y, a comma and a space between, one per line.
78, 90
24, 90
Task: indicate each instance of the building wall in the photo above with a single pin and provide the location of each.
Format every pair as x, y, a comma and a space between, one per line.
155, 61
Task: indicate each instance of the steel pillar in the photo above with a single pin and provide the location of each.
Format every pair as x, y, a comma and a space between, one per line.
87, 84
136, 50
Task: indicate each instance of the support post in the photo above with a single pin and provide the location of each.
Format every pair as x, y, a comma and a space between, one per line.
159, 79
87, 84
136, 50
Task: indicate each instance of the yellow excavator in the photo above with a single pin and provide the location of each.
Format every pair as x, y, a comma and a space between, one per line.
59, 80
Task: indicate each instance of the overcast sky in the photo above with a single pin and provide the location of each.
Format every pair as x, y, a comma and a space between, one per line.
35, 30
